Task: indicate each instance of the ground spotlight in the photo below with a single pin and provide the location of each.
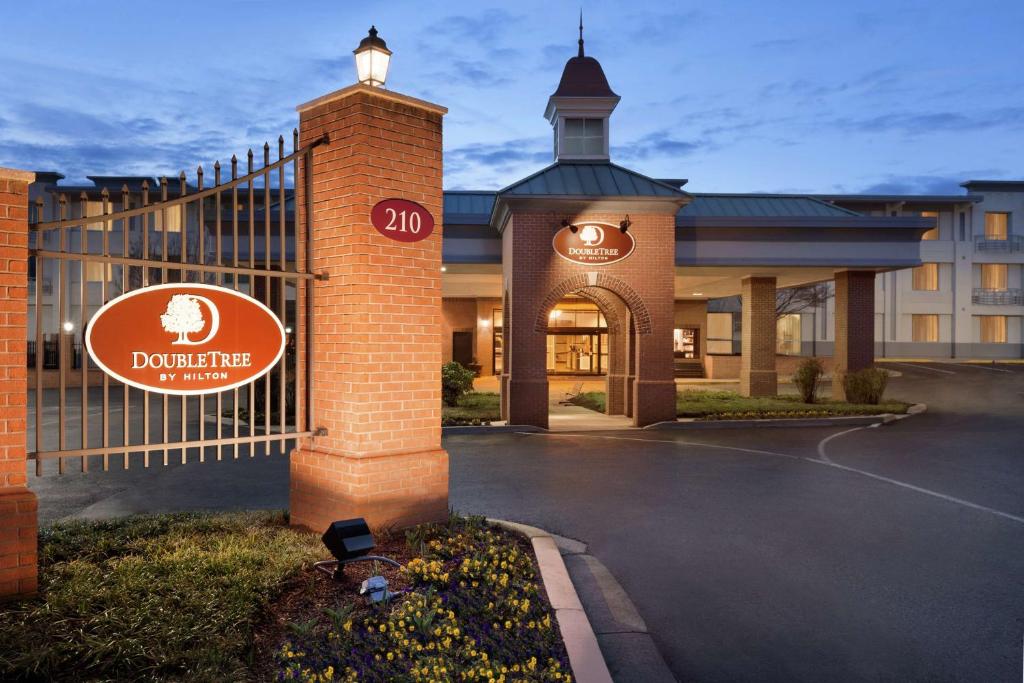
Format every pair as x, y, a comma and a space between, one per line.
349, 540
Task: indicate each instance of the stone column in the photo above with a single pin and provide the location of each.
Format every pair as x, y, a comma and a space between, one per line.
757, 365
855, 325
376, 322
19, 523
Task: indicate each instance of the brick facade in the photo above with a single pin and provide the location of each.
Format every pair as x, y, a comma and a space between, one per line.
536, 278
377, 319
18, 508
855, 325
757, 365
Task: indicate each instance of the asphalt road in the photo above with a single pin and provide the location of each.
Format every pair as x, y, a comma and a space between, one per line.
882, 554
752, 558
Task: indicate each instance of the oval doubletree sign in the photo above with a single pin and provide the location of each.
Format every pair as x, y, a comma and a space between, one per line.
593, 244
185, 338
402, 220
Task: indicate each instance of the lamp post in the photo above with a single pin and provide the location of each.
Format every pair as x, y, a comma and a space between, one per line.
372, 60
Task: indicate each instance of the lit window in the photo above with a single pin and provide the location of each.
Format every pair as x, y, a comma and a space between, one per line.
993, 329
926, 277
996, 225
584, 137
926, 327
993, 276
932, 234
98, 272
787, 335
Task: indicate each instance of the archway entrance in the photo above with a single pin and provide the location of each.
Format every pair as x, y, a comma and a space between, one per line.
590, 332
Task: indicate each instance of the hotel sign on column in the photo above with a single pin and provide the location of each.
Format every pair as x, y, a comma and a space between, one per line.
185, 339
593, 244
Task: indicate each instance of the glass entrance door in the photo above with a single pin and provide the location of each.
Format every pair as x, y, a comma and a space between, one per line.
577, 354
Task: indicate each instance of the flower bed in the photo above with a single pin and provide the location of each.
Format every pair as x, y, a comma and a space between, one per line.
474, 408
473, 611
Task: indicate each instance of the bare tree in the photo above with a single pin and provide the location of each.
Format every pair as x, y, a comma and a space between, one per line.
797, 299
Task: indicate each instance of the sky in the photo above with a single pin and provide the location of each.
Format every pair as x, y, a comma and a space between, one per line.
779, 96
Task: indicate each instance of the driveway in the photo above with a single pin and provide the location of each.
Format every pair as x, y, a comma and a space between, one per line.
899, 555
892, 553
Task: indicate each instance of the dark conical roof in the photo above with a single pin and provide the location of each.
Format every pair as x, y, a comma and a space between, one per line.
583, 77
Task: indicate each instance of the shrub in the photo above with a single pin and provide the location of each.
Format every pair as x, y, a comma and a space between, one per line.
865, 386
455, 381
807, 379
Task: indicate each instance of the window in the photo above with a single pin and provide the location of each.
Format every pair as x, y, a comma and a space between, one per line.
787, 335
996, 225
719, 339
993, 329
99, 272
926, 327
926, 277
498, 342
963, 226
932, 234
993, 276
584, 137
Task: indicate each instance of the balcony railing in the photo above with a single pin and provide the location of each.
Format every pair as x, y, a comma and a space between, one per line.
1000, 245
998, 297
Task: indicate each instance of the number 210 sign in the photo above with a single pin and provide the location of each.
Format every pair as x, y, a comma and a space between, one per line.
402, 220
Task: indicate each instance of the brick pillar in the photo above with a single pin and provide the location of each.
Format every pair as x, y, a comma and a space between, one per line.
630, 378
757, 365
855, 325
19, 522
377, 320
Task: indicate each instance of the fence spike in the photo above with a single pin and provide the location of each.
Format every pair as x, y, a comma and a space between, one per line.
234, 167
250, 160
199, 177
216, 172
280, 146
105, 193
295, 139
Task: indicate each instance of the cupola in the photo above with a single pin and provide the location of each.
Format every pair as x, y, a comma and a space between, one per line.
580, 108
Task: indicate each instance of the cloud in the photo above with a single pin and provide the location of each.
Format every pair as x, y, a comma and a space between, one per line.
914, 123
927, 184
657, 144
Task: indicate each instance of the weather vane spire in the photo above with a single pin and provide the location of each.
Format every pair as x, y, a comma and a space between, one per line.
581, 31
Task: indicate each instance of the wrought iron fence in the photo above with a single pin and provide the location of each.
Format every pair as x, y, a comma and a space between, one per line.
998, 297
241, 233
1007, 244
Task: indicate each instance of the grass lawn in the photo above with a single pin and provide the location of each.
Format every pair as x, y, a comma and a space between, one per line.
233, 597
474, 408
174, 597
728, 405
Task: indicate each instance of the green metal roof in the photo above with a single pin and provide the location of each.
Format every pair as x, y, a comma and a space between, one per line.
589, 179
760, 205
468, 207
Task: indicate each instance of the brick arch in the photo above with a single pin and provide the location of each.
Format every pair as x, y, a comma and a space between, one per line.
607, 306
589, 281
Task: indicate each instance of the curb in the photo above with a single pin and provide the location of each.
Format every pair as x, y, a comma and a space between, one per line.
840, 421
585, 658
456, 430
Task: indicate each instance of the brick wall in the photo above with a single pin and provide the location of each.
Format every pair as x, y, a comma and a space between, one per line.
376, 320
855, 324
539, 277
18, 509
757, 366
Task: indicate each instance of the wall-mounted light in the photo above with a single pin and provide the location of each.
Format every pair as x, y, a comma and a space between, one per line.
68, 326
372, 60
567, 224
485, 323
444, 269
624, 224
288, 330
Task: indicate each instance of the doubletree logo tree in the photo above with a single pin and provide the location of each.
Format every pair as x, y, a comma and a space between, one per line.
182, 317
